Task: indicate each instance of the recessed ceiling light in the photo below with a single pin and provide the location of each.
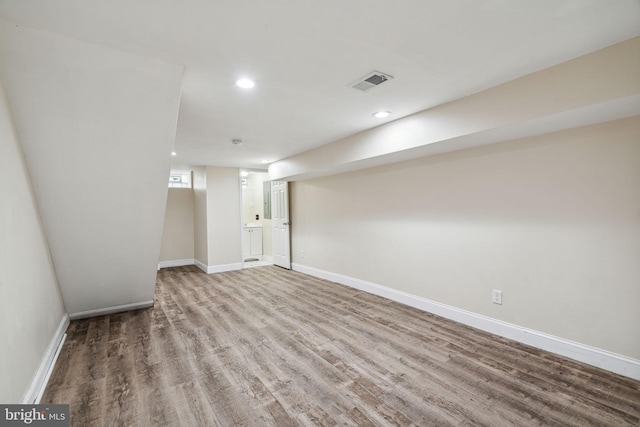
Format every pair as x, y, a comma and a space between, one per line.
173, 153
381, 114
245, 83
264, 161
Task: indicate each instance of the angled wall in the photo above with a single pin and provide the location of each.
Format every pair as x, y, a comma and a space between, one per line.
30, 304
97, 126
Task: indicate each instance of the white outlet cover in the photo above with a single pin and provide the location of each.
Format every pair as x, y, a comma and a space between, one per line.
496, 296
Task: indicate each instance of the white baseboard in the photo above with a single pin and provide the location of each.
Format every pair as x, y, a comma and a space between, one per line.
110, 310
39, 382
175, 263
221, 268
583, 353
224, 267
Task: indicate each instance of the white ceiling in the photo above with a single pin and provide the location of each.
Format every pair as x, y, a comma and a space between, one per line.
303, 54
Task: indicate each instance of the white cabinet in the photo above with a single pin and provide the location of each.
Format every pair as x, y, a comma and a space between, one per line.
252, 243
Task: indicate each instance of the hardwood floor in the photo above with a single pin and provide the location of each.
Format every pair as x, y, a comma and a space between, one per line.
270, 347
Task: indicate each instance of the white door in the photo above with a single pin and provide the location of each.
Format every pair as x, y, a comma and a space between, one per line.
280, 224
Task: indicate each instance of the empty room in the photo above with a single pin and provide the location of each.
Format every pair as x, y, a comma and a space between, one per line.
320, 213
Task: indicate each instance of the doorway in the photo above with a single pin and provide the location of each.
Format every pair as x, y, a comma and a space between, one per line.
256, 219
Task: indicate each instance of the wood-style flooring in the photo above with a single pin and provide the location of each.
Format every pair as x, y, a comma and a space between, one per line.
270, 347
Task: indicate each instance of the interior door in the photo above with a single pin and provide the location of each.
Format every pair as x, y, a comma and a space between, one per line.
280, 224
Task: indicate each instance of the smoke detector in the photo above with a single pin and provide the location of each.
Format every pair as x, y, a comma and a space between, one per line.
370, 81
236, 141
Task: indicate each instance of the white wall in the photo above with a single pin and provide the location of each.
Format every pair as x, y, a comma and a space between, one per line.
30, 304
223, 218
178, 231
97, 127
551, 220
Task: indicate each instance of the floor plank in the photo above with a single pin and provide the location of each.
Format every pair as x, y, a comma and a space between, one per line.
266, 346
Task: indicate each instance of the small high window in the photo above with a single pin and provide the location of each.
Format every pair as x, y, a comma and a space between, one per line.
180, 180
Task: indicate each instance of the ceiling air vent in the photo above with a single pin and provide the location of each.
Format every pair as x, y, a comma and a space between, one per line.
371, 80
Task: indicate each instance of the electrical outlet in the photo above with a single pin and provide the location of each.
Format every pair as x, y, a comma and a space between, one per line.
496, 297
302, 254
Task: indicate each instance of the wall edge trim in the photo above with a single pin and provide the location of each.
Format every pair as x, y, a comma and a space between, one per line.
597, 357
41, 377
110, 310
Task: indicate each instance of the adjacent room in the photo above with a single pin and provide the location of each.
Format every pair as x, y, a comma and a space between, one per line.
321, 213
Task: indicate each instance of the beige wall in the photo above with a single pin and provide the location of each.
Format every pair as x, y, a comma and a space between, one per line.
550, 220
223, 216
200, 249
30, 304
267, 239
178, 233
